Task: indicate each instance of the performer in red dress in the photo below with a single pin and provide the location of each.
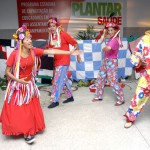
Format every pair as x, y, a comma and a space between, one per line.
21, 112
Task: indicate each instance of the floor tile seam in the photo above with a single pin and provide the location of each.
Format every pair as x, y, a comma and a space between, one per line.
138, 130
143, 136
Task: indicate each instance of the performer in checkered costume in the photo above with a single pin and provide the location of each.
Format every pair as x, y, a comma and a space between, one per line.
108, 69
59, 39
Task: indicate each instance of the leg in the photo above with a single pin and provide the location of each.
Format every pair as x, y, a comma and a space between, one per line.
136, 106
58, 84
68, 91
112, 76
100, 83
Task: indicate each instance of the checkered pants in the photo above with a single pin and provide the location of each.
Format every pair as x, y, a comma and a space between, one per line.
108, 71
60, 80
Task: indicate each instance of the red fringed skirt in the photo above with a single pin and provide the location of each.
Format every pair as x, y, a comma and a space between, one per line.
26, 119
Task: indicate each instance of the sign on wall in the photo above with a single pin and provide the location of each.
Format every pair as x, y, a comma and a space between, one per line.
74, 15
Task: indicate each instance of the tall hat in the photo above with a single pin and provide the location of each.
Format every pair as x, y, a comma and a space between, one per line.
103, 33
57, 42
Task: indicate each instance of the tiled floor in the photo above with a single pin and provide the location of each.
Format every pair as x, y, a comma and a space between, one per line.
86, 125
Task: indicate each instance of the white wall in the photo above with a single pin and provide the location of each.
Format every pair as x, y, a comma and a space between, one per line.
138, 13
8, 14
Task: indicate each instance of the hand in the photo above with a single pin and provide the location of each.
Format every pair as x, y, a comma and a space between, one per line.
77, 53
141, 64
121, 45
79, 59
97, 38
103, 50
23, 80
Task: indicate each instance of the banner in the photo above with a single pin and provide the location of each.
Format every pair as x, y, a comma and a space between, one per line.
73, 15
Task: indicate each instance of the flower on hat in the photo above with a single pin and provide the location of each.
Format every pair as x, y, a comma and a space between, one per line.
21, 33
52, 21
20, 29
15, 36
24, 27
21, 36
27, 33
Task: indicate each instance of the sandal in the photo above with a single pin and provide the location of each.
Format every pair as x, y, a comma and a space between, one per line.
128, 124
96, 99
118, 103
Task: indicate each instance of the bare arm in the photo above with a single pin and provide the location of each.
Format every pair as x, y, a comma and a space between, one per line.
76, 47
11, 76
52, 51
60, 52
106, 48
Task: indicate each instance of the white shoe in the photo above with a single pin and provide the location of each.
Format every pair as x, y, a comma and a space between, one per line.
29, 139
